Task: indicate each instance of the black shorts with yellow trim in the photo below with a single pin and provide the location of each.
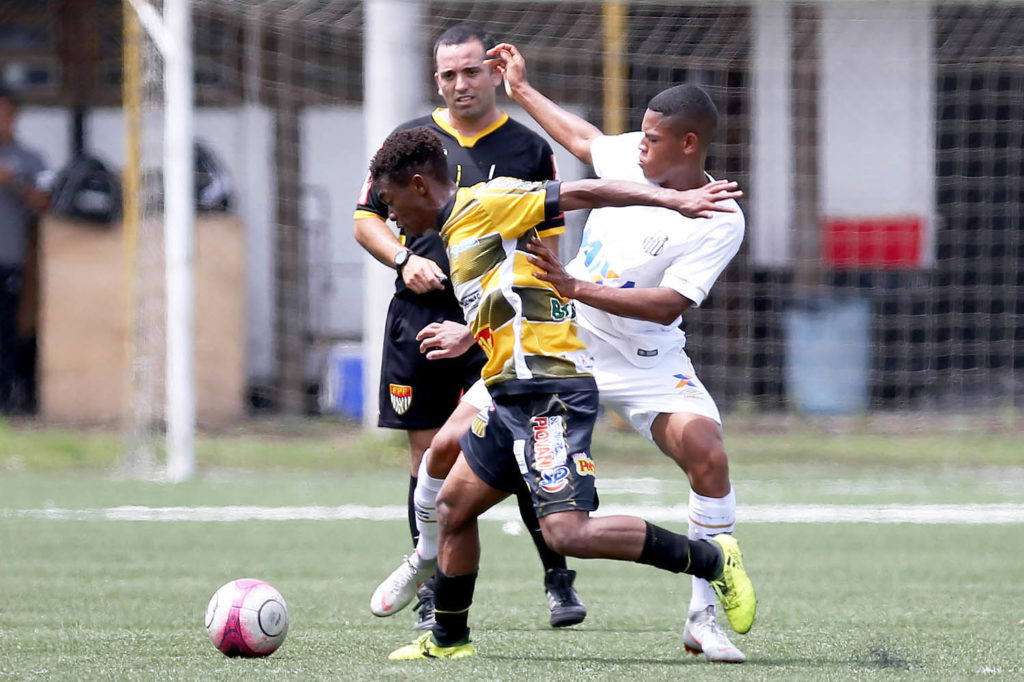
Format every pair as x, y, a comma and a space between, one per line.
542, 440
416, 393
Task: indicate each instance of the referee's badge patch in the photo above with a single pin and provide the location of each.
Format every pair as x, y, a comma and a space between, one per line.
401, 398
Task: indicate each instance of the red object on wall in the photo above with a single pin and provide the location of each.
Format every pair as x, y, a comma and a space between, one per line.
886, 242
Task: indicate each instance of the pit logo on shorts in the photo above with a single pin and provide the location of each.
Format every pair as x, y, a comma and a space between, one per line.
553, 480
401, 398
584, 465
549, 448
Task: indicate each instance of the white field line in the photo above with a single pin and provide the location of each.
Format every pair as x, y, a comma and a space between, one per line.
970, 514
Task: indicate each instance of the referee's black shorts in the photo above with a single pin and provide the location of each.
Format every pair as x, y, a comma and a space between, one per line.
416, 393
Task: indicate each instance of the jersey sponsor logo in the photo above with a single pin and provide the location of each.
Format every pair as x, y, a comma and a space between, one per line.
584, 464
553, 480
401, 397
549, 448
562, 311
644, 353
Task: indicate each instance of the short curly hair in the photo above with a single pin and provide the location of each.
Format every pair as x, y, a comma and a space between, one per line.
409, 152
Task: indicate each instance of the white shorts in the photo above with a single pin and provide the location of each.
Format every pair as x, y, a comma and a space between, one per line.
639, 395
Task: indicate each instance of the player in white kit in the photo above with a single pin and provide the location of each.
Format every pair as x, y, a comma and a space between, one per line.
638, 269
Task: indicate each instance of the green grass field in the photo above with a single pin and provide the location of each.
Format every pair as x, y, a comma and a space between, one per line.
92, 587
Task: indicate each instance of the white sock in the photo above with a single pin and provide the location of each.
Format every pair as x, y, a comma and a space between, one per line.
708, 516
425, 502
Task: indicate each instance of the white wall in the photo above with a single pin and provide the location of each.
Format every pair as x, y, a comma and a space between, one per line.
876, 147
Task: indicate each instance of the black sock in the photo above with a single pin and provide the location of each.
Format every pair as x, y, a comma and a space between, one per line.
453, 595
549, 557
413, 530
679, 554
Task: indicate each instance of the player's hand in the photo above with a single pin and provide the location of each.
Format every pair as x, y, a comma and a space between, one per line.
422, 274
439, 340
704, 202
509, 62
552, 269
7, 175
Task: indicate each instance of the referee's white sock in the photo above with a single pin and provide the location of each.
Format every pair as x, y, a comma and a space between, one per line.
425, 503
708, 516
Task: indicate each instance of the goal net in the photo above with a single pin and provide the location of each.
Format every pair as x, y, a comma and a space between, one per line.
879, 146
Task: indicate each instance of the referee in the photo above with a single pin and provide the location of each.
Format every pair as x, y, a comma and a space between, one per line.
417, 395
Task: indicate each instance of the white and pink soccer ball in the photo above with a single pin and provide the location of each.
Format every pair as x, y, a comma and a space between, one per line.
247, 617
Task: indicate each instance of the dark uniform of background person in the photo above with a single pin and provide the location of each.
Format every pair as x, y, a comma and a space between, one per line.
417, 394
23, 198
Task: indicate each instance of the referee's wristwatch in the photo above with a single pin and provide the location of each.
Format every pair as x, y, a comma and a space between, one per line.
401, 258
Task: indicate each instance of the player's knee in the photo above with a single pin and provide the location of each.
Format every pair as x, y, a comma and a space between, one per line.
564, 534
451, 516
709, 470
444, 448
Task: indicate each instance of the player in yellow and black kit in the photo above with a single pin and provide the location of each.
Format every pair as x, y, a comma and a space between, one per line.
545, 400
418, 394
433, 387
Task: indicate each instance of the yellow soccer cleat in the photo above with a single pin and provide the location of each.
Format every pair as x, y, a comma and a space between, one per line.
733, 587
425, 647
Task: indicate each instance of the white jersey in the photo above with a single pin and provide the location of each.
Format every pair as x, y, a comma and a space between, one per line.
645, 247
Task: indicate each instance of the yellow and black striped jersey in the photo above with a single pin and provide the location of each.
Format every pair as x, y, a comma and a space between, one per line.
526, 329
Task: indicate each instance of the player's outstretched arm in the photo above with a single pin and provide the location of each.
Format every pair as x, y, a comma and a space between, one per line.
702, 202
567, 129
655, 304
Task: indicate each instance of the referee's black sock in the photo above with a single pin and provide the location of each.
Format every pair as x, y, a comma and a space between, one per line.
411, 509
549, 557
679, 554
453, 595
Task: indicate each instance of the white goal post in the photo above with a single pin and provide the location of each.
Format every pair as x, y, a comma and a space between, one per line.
172, 34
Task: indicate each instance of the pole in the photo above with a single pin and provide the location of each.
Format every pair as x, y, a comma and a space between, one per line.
394, 76
179, 224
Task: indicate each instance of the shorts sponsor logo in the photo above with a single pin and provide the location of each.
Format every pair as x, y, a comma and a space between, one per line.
401, 398
553, 480
684, 380
584, 465
549, 448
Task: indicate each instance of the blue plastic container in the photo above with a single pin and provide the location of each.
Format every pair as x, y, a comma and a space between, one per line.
828, 355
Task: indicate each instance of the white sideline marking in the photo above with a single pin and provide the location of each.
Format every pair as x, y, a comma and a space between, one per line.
970, 514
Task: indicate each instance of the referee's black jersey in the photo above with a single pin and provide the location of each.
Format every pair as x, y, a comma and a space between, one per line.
505, 149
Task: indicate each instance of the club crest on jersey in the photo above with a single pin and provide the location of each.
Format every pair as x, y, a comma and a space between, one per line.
549, 448
584, 464
401, 398
485, 340
553, 480
653, 244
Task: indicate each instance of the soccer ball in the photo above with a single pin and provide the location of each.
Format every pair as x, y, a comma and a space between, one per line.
247, 617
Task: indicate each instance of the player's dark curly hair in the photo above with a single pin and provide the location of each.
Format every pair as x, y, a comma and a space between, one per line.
408, 152
689, 108
463, 33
